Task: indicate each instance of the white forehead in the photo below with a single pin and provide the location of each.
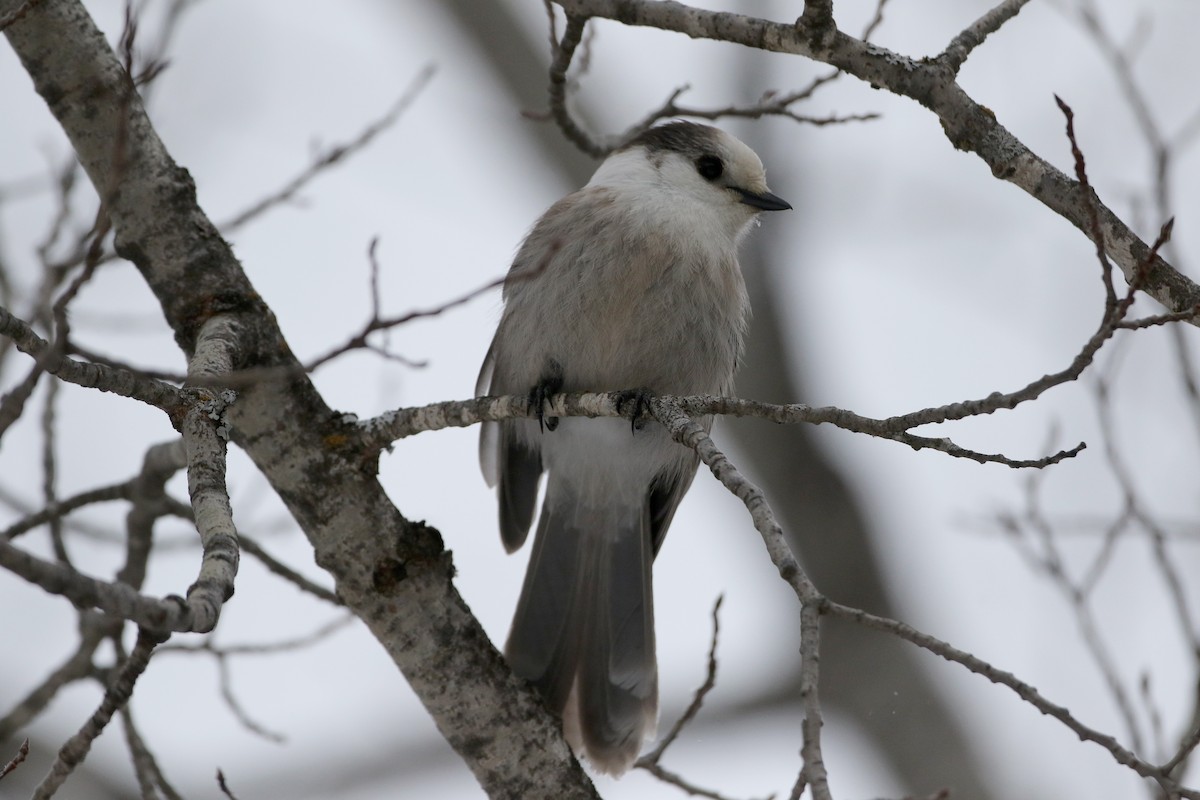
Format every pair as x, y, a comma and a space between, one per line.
740, 157
681, 141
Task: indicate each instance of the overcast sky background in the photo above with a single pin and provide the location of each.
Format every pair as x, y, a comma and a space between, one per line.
912, 278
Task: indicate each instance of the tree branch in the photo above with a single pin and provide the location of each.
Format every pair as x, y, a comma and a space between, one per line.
1026, 692
90, 376
379, 432
117, 695
968, 125
956, 53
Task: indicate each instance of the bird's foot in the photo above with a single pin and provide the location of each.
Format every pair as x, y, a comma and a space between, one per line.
640, 400
539, 396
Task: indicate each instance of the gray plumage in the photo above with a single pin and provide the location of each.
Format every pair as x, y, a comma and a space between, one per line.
630, 283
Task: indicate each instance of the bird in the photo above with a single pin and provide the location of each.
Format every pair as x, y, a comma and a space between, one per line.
630, 284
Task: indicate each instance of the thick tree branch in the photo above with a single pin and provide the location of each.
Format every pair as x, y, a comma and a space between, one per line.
395, 575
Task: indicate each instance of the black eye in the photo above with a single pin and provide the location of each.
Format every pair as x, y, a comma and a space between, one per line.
709, 167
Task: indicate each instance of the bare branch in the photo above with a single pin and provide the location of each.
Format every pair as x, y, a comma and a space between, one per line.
1091, 201
710, 680
115, 491
150, 776
956, 53
875, 22
771, 104
1113, 315
119, 691
379, 432
1160, 319
287, 573
678, 781
74, 348
94, 628
222, 654
89, 376
12, 404
1026, 692
224, 787
169, 614
205, 438
689, 433
380, 323
563, 54
333, 155
16, 761
282, 646
651, 761
149, 502
225, 682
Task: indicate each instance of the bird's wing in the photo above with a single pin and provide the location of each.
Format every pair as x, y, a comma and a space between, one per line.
665, 495
508, 462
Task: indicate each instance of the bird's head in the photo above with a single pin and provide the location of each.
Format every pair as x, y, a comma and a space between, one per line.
691, 169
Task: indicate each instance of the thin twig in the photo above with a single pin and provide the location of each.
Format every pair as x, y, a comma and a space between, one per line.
74, 348
1023, 690
225, 682
380, 323
282, 570
875, 22
151, 779
280, 647
224, 787
222, 653
12, 404
379, 432
90, 376
956, 53
692, 435
1092, 202
17, 13
1112, 317
333, 155
651, 761
119, 691
94, 628
710, 680
563, 54
16, 761
58, 510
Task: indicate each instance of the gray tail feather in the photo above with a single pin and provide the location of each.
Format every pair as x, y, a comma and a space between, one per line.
583, 632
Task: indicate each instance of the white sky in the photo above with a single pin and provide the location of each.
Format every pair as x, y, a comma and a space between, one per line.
913, 278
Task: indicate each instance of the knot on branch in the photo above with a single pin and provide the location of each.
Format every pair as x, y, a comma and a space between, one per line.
205, 403
418, 548
816, 26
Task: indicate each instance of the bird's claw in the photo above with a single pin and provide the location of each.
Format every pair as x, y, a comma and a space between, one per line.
539, 397
640, 398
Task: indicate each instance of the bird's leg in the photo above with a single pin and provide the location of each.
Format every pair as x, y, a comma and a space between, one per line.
550, 384
640, 399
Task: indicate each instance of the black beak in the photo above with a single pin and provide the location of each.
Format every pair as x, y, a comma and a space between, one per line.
765, 201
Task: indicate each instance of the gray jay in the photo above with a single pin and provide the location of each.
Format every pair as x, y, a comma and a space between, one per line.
631, 283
